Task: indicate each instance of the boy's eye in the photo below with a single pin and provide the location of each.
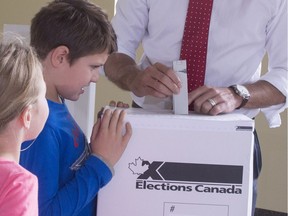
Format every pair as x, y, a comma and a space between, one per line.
95, 66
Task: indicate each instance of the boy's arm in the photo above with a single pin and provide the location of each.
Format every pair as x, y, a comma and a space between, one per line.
44, 159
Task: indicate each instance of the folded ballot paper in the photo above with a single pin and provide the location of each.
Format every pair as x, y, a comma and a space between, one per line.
182, 165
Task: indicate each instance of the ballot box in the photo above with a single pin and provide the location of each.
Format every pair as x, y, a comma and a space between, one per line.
182, 165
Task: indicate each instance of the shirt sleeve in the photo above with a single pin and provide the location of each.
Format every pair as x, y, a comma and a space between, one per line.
21, 195
277, 74
74, 195
130, 24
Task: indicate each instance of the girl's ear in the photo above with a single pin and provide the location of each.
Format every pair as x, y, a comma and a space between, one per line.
26, 117
59, 56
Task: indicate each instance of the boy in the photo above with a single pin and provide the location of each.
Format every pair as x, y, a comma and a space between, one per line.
73, 40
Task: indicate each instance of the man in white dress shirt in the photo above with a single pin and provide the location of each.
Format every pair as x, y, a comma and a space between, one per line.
241, 32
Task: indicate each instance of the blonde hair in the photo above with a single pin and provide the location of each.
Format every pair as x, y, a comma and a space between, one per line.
20, 73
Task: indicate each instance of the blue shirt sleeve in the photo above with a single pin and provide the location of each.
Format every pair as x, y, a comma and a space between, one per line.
46, 160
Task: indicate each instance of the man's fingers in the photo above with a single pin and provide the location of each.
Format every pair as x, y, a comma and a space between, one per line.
169, 73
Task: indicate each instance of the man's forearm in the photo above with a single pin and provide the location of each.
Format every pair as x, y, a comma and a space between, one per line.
264, 94
121, 69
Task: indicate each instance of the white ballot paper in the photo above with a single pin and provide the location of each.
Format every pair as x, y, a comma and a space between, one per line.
180, 101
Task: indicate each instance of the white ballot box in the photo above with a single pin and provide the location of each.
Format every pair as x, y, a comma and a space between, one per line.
182, 165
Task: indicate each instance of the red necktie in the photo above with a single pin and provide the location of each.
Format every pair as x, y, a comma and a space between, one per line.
195, 41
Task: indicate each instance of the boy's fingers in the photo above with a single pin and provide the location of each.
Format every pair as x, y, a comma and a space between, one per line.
95, 129
106, 118
127, 135
114, 119
99, 114
112, 103
120, 104
120, 121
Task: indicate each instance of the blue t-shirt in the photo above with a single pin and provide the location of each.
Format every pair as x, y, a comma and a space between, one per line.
69, 177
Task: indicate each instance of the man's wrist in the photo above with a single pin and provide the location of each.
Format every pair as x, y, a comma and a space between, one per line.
241, 91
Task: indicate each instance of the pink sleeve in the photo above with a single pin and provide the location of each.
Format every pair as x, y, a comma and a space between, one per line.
19, 194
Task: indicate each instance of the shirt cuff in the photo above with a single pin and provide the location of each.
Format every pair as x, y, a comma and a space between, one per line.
272, 114
105, 162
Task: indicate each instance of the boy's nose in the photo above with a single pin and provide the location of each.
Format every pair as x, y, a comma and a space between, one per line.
95, 77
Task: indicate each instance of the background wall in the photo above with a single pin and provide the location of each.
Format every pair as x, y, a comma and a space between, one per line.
273, 180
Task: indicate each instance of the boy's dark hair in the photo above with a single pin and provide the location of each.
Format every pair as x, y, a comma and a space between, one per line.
79, 25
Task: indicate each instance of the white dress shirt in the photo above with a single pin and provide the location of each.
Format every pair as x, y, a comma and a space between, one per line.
241, 32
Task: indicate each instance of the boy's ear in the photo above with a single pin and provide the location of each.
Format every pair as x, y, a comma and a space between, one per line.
59, 56
26, 117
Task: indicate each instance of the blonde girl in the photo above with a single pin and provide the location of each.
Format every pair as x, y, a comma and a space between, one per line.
23, 112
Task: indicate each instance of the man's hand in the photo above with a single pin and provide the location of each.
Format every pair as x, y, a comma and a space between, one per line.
216, 100
156, 80
213, 101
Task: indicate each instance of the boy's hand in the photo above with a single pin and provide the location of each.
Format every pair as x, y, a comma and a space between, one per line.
119, 104
107, 139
